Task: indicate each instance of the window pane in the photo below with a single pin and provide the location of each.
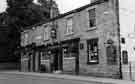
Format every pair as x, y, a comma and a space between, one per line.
65, 52
92, 13
70, 50
69, 25
92, 18
46, 33
44, 56
123, 40
92, 51
125, 57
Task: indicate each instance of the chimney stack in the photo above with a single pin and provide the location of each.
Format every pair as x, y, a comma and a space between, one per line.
92, 1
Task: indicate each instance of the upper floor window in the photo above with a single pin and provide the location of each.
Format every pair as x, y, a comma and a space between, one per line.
46, 33
69, 25
92, 18
123, 40
25, 39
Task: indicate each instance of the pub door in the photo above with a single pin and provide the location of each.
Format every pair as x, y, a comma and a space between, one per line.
75, 50
56, 60
31, 61
37, 61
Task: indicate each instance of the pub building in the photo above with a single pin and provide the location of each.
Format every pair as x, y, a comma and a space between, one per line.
83, 41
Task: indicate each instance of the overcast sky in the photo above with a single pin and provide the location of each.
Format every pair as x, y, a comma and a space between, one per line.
2, 5
67, 5
64, 5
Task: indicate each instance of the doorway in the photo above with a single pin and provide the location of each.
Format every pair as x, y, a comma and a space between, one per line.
56, 60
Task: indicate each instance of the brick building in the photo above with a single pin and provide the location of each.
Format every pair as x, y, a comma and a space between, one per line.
83, 41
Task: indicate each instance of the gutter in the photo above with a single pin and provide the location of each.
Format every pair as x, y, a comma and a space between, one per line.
118, 24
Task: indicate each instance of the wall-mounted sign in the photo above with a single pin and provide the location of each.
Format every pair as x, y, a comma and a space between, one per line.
38, 37
81, 45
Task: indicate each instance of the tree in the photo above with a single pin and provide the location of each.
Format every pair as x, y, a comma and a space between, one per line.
21, 14
25, 13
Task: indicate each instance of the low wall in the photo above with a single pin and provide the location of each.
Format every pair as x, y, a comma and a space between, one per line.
128, 71
45, 66
69, 65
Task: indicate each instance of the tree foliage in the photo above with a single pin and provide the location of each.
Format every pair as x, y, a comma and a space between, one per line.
24, 13
21, 14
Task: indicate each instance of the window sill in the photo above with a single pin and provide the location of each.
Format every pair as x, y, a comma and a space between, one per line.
68, 34
45, 60
45, 40
68, 58
91, 28
92, 62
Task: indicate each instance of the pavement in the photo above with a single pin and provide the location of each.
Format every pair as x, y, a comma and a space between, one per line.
71, 77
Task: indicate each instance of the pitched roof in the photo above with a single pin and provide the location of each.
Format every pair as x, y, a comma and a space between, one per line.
70, 12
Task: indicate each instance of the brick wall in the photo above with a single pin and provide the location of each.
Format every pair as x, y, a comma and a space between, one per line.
106, 29
69, 65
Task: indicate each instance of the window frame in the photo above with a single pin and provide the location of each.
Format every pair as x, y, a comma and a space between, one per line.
71, 50
89, 43
46, 33
69, 25
44, 55
26, 36
123, 40
123, 57
92, 17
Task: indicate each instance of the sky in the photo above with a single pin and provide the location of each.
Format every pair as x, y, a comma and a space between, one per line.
64, 5
2, 5
67, 5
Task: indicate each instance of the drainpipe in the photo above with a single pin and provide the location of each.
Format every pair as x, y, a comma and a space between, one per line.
118, 23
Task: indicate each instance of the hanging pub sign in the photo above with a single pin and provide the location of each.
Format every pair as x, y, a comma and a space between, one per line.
53, 33
110, 41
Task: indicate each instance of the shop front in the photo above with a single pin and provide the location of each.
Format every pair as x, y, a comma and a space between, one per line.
55, 57
28, 58
43, 59
52, 58
70, 56
61, 57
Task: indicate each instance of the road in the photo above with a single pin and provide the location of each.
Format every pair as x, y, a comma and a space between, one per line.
24, 79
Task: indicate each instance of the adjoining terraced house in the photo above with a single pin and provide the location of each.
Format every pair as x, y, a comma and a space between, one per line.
84, 41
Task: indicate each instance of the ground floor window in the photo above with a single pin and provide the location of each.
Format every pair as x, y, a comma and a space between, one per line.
70, 50
125, 57
66, 52
92, 49
44, 55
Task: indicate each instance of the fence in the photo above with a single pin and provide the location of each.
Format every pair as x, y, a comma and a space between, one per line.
128, 71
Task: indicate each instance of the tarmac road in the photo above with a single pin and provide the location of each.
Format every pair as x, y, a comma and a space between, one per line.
26, 79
